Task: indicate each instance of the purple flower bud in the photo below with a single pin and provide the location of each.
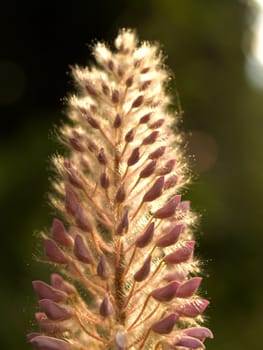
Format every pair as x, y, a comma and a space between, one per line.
181, 254
189, 342
155, 191
82, 219
143, 240
73, 176
117, 121
71, 200
134, 157
59, 233
105, 307
144, 119
168, 209
123, 224
59, 283
167, 168
148, 170
49, 326
157, 153
32, 335
171, 237
54, 311
144, 271
188, 288
157, 124
104, 180
92, 122
171, 182
129, 81
44, 291
166, 293
103, 269
166, 324
145, 70
101, 157
145, 85
76, 144
120, 195
54, 253
192, 308
44, 342
120, 341
105, 89
150, 139
199, 332
81, 251
115, 96
92, 147
137, 102
129, 136
90, 89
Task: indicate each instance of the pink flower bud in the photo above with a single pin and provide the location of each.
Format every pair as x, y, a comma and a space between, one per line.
81, 251
54, 253
199, 332
134, 157
192, 308
73, 175
181, 254
91, 90
171, 182
44, 342
144, 271
189, 342
129, 136
155, 191
120, 195
137, 102
166, 324
76, 144
82, 219
104, 180
129, 81
117, 121
166, 293
59, 283
54, 311
115, 96
145, 85
102, 157
148, 170
92, 122
168, 209
32, 335
59, 233
49, 326
120, 341
105, 307
157, 124
145, 118
123, 224
103, 269
71, 200
44, 291
176, 275
157, 153
171, 237
167, 168
188, 288
150, 139
143, 240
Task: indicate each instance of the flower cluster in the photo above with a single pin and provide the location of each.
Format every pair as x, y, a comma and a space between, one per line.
122, 241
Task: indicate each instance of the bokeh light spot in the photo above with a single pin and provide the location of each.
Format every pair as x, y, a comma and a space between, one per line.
203, 147
13, 82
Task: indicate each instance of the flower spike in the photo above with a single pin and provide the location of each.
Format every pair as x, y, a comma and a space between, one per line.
123, 241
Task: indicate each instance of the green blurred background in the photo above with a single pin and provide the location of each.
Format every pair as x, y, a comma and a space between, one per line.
207, 43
